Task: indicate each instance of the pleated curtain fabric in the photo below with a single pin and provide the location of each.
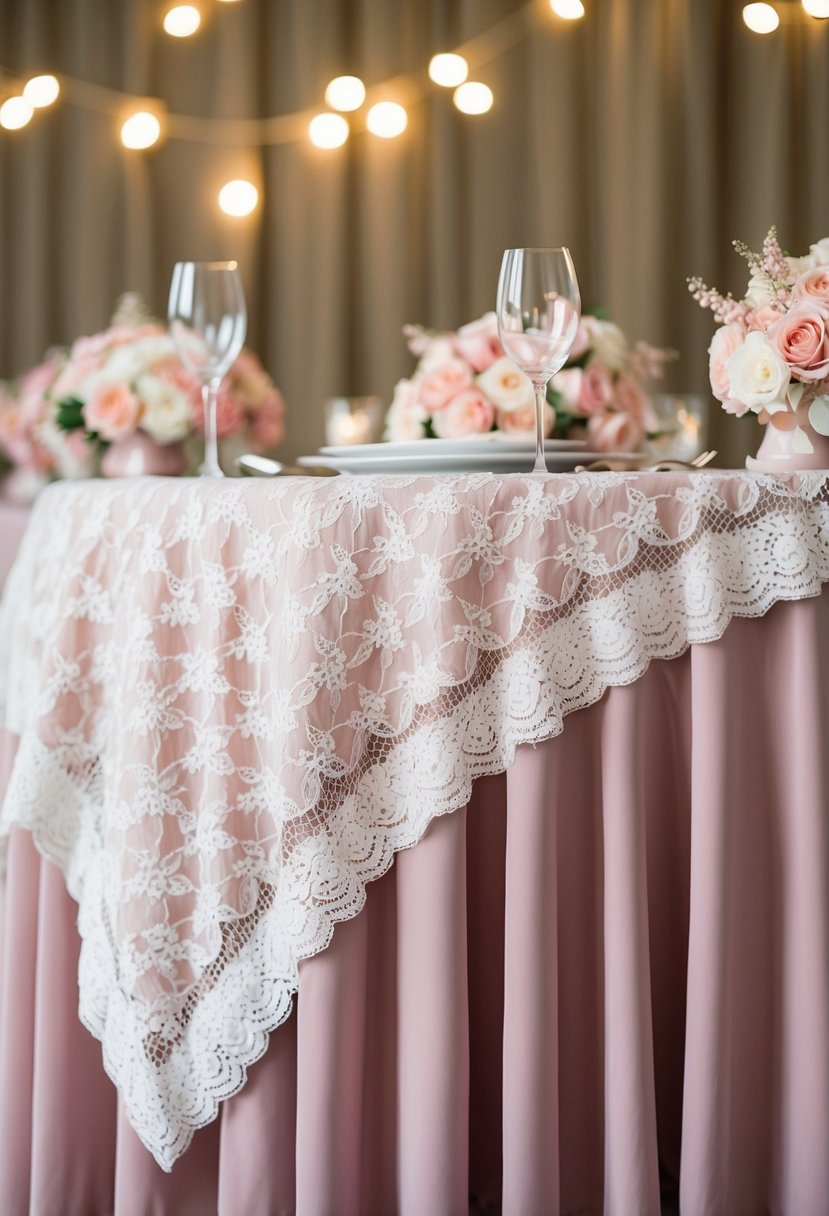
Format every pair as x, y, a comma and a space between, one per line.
645, 137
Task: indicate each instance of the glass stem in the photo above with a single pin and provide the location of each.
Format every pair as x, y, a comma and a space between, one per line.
211, 466
540, 387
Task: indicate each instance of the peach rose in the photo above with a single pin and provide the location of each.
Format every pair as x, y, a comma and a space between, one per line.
596, 389
581, 342
468, 413
630, 398
522, 420
438, 387
112, 410
726, 340
478, 342
813, 288
762, 318
615, 432
801, 338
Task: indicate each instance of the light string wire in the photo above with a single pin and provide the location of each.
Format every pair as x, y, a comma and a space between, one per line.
288, 128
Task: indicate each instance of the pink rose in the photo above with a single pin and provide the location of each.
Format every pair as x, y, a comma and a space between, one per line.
438, 387
568, 383
268, 426
801, 339
631, 398
74, 374
468, 413
596, 389
813, 288
581, 342
522, 420
112, 410
726, 340
615, 432
478, 343
230, 417
762, 318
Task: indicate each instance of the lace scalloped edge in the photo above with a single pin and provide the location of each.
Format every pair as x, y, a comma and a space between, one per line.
96, 1004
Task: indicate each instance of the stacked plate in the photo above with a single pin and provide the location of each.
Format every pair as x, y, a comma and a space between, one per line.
491, 453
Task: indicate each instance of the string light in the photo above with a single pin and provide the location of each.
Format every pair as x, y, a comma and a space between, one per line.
328, 130
345, 93
182, 20
238, 198
448, 70
473, 97
41, 90
141, 130
816, 8
761, 18
387, 119
15, 112
569, 10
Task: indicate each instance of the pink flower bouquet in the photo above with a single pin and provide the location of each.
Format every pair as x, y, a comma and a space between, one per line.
33, 448
130, 377
464, 384
770, 355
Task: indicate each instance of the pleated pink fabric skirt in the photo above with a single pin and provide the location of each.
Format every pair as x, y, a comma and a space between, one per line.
604, 982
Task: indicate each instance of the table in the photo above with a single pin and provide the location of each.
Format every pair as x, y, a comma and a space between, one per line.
528, 961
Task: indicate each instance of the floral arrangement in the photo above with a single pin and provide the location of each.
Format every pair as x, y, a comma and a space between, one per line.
464, 384
770, 355
63, 415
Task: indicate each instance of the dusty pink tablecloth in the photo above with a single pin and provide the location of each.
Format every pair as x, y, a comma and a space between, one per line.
610, 972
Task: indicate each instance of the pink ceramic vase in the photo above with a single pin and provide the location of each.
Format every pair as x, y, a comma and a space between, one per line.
137, 455
776, 454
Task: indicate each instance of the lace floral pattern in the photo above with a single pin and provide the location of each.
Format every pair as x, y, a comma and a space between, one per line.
237, 700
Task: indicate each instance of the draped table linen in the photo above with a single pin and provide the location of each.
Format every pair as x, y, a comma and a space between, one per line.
237, 701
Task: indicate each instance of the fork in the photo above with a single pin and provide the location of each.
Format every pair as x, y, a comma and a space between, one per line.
622, 465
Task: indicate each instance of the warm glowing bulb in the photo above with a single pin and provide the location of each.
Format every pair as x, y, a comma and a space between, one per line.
15, 112
238, 197
387, 119
761, 18
816, 8
141, 130
473, 97
328, 130
570, 10
345, 93
448, 70
182, 21
41, 90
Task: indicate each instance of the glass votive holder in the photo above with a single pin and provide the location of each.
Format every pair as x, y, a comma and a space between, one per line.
682, 425
353, 420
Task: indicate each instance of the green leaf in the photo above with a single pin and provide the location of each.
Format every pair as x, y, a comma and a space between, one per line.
70, 414
819, 415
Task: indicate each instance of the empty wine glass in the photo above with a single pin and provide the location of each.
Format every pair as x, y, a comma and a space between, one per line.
207, 317
538, 314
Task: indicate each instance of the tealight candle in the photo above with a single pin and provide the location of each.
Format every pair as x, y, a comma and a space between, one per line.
350, 420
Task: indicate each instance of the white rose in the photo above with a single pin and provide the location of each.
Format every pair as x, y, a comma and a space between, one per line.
757, 375
127, 362
406, 416
166, 415
607, 343
438, 351
506, 385
759, 293
799, 266
820, 252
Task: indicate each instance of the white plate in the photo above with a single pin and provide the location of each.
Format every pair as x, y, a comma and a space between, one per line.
492, 440
426, 460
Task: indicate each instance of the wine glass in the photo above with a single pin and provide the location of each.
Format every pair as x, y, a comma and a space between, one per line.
207, 317
538, 314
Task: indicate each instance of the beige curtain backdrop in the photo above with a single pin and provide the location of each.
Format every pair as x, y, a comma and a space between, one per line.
644, 137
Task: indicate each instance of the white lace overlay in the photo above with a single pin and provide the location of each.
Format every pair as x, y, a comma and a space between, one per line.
237, 700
